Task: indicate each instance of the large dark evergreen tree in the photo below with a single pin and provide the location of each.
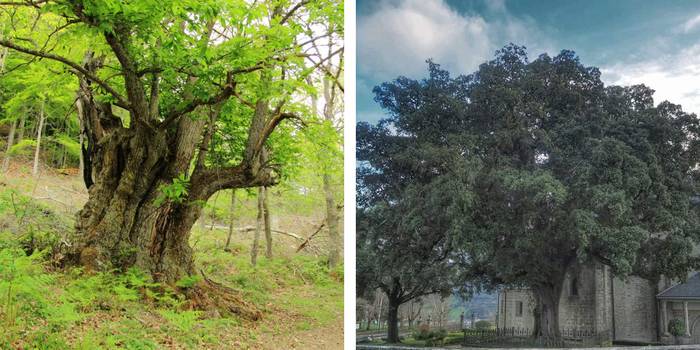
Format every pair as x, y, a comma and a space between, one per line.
411, 192
562, 171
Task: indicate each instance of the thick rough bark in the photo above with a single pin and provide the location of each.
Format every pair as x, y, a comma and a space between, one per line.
122, 224
393, 320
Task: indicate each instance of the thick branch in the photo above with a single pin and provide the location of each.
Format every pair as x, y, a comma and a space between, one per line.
206, 140
134, 87
209, 181
121, 102
270, 127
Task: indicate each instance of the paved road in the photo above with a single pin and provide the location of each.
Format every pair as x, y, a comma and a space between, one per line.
396, 347
377, 335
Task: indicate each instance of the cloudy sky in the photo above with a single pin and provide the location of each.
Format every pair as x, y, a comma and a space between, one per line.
632, 41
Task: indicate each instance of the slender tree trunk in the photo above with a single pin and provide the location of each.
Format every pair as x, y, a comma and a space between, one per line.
258, 227
212, 213
331, 210
35, 169
268, 228
393, 320
332, 220
63, 157
232, 219
3, 57
10, 142
20, 128
3, 52
81, 137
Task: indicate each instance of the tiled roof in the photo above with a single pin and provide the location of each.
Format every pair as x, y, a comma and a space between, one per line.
688, 290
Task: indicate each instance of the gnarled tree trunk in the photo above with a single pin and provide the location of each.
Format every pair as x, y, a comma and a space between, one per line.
126, 221
547, 309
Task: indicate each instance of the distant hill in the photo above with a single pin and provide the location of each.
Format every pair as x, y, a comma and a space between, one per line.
483, 305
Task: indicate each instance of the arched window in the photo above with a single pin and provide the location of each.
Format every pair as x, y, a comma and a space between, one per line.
574, 287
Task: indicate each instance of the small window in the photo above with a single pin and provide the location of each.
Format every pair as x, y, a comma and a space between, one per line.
574, 287
519, 308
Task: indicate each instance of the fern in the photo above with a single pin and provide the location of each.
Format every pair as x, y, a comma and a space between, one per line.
183, 321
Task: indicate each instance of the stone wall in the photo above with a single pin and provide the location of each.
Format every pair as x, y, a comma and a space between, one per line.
510, 318
579, 311
635, 309
601, 302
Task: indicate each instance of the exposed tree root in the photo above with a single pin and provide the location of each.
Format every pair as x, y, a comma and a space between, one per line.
210, 296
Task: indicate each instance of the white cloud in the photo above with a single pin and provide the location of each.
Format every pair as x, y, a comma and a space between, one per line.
691, 24
674, 77
399, 36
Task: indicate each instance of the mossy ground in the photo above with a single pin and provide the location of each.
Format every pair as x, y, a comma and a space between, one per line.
46, 307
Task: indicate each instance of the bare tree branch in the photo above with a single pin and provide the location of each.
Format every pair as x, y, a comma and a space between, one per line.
289, 14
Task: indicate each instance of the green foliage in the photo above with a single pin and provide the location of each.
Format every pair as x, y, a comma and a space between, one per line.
188, 281
431, 338
676, 327
71, 146
184, 321
176, 192
25, 147
24, 297
483, 324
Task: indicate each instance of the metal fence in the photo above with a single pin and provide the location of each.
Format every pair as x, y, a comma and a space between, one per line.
515, 336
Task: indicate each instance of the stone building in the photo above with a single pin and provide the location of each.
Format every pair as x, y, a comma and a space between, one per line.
593, 300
